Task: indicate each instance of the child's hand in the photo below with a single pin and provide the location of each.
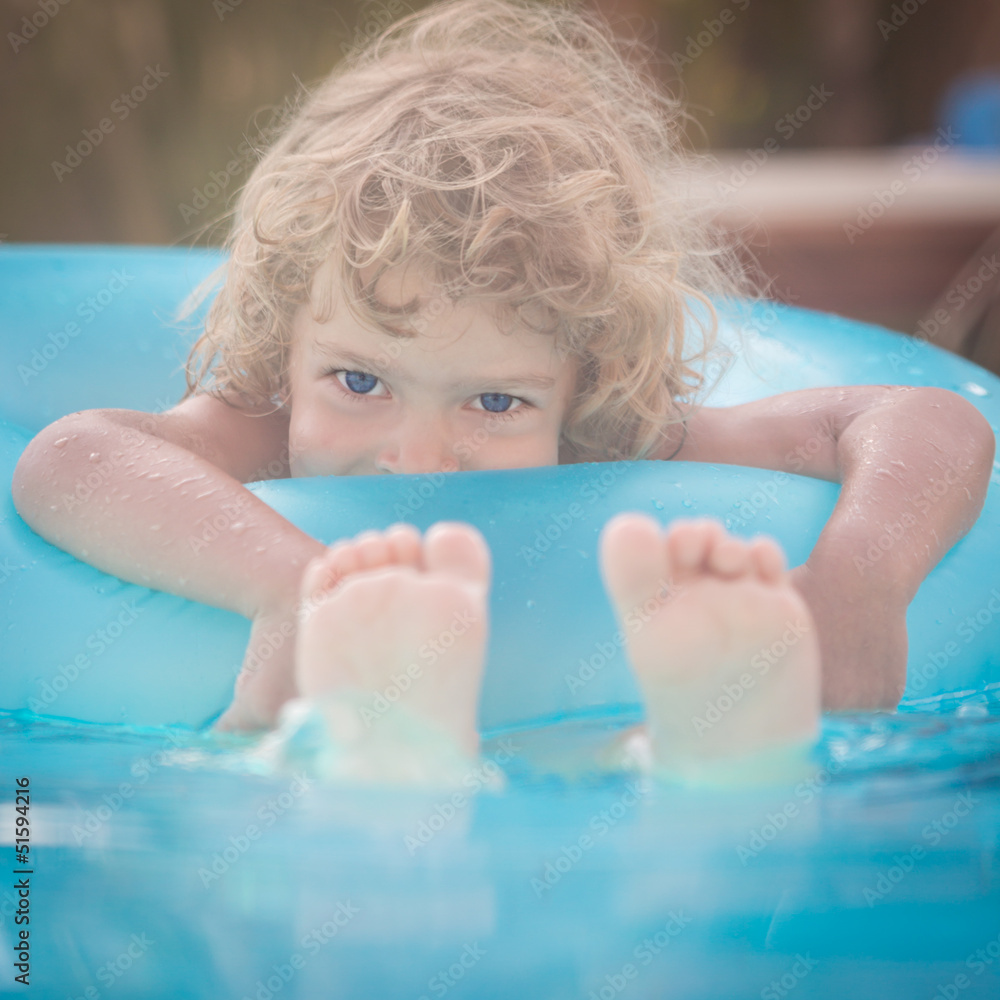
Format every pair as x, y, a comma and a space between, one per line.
267, 679
862, 635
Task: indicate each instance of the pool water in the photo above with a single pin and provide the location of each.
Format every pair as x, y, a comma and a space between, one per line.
170, 863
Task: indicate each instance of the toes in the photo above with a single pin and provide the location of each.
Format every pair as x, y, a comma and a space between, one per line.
768, 559
372, 549
729, 557
323, 573
633, 559
343, 560
457, 549
405, 547
453, 548
314, 578
689, 542
397, 545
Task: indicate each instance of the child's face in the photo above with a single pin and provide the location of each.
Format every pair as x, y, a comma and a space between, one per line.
459, 395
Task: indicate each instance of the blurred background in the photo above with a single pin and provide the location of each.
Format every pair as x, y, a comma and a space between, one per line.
858, 140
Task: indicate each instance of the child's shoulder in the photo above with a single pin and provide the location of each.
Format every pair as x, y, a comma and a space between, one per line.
247, 440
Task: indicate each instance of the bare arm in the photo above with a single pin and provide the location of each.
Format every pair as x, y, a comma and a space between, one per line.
914, 463
157, 499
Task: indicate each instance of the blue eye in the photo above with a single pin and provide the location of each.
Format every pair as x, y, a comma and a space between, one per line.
360, 382
496, 402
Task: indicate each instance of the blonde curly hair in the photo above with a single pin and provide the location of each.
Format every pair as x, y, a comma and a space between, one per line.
520, 154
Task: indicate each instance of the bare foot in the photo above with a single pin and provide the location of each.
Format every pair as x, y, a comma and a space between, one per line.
392, 618
722, 644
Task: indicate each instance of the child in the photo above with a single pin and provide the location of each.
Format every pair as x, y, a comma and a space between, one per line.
479, 223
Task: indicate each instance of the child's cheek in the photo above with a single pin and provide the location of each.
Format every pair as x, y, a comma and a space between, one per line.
312, 461
308, 453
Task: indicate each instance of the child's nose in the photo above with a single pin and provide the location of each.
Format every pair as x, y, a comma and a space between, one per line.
418, 447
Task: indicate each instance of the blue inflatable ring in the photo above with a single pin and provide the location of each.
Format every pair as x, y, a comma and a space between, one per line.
88, 327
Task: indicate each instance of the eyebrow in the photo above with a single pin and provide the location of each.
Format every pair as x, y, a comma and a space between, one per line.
349, 359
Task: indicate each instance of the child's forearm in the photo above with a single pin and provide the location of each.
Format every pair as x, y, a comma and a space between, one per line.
915, 472
149, 511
